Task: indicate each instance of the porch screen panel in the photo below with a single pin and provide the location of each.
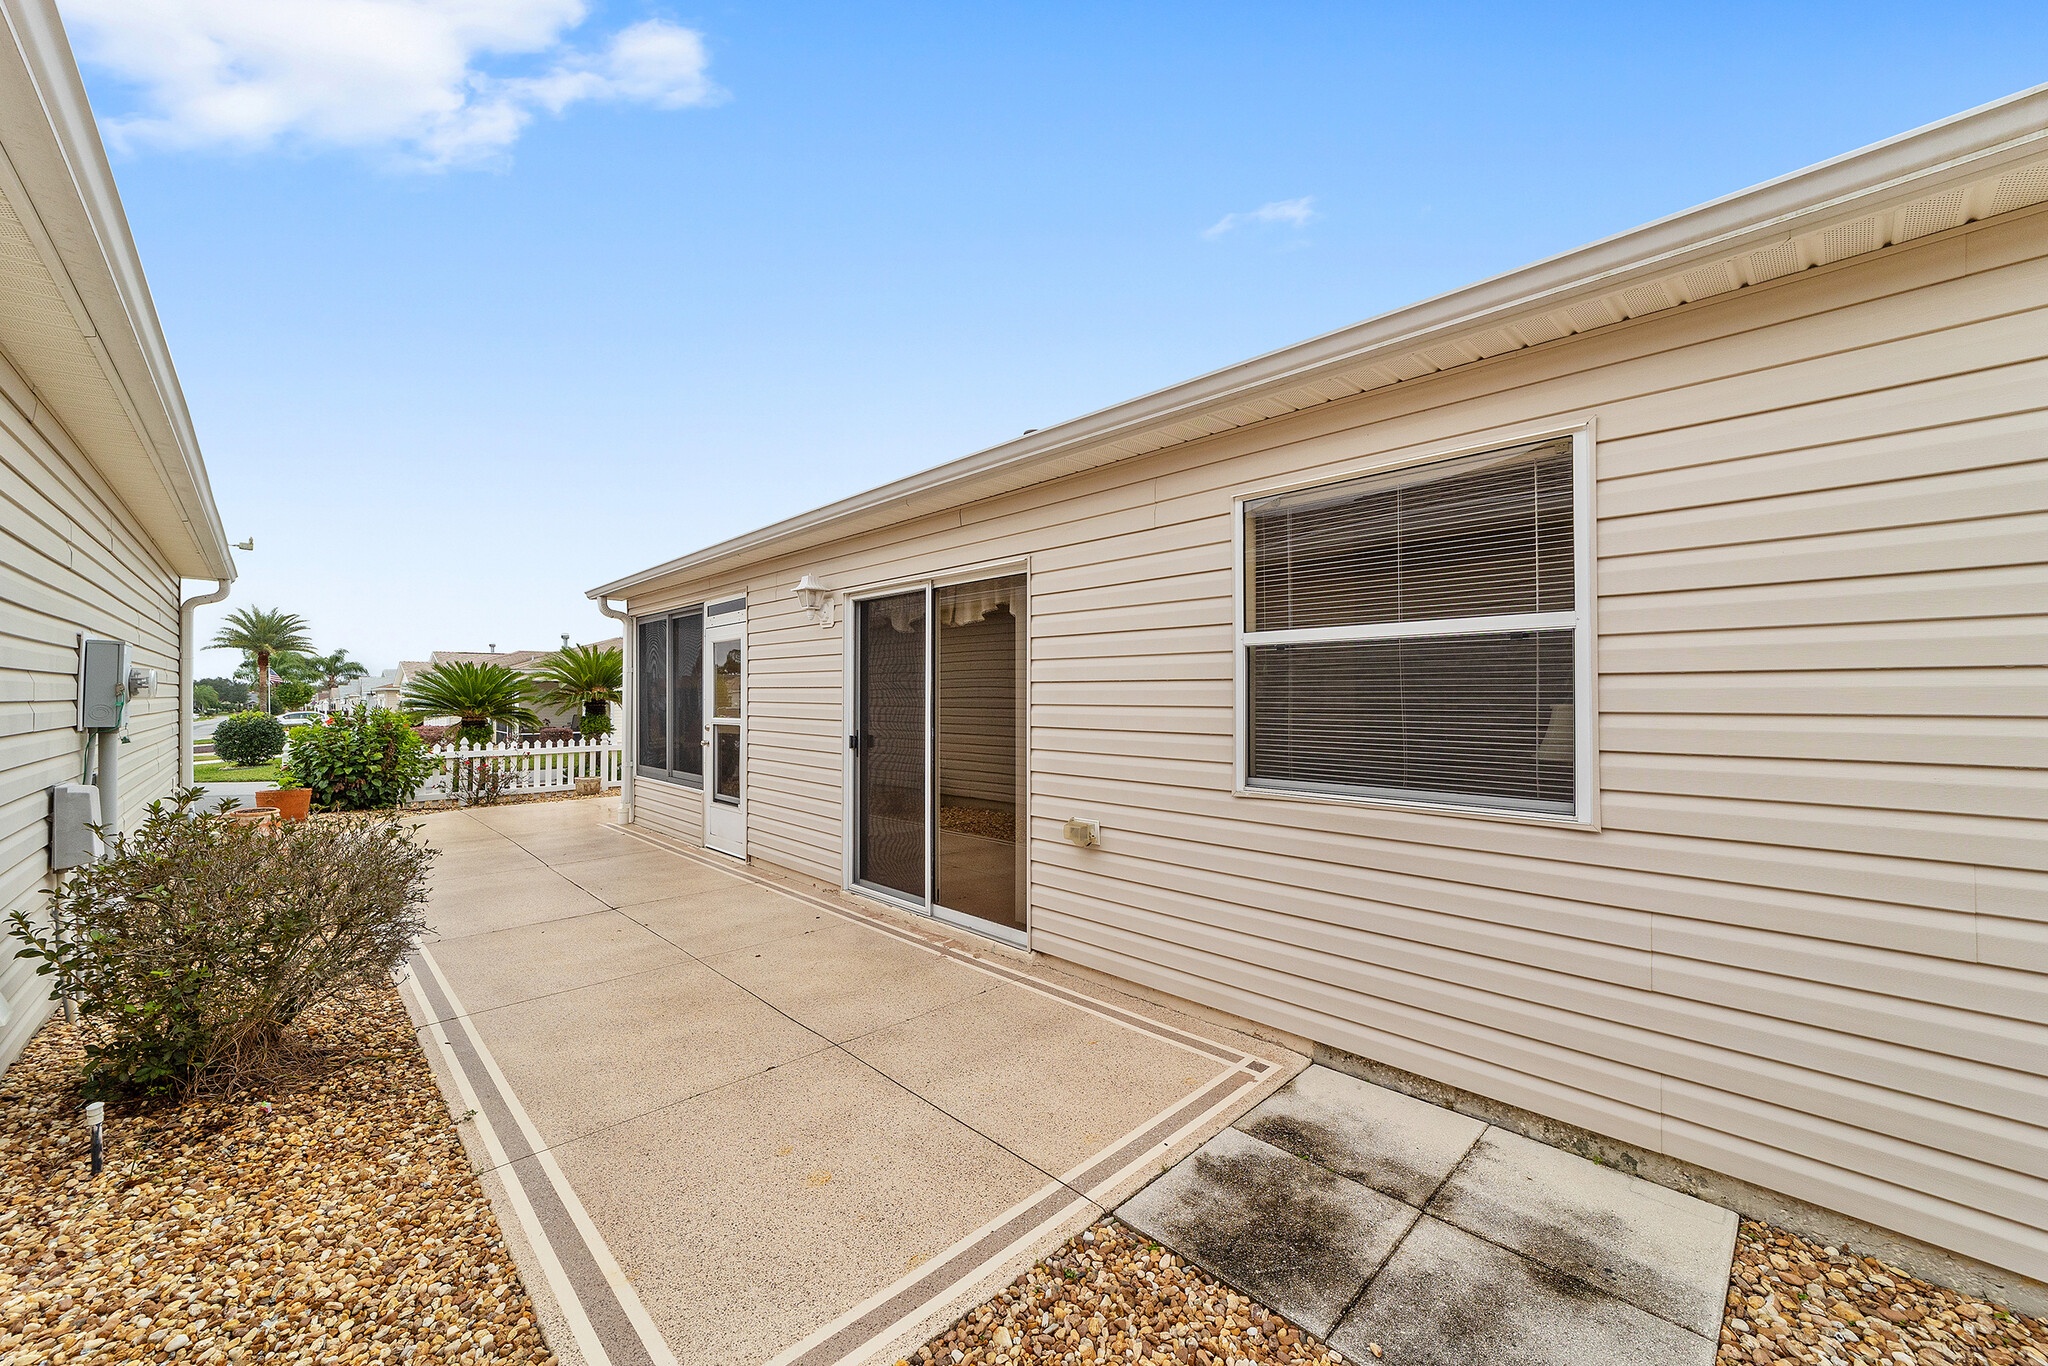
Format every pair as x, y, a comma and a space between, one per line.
654, 699
687, 753
1412, 635
889, 745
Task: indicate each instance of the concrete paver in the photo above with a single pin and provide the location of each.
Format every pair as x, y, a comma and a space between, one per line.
1396, 1144
1298, 1237
1512, 1253
1451, 1299
1659, 1250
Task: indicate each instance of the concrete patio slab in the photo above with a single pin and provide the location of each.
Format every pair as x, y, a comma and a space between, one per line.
483, 904
1396, 1144
592, 1057
1447, 1298
636, 874
738, 1118
845, 981
1039, 1077
528, 962
1298, 1237
722, 920
1659, 1250
740, 1213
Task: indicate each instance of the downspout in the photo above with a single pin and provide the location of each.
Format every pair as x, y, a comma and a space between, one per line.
629, 751
187, 668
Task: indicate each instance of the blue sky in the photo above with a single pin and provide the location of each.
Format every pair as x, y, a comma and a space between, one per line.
481, 312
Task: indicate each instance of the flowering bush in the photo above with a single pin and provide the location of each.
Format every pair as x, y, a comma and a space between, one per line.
362, 760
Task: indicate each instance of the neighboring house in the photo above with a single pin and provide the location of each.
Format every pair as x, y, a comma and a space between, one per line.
1609, 694
106, 507
379, 690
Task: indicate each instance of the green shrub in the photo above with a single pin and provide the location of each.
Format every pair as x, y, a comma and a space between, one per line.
364, 760
248, 738
291, 694
192, 946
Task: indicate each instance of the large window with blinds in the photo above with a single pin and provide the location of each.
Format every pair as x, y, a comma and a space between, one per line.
1416, 635
670, 706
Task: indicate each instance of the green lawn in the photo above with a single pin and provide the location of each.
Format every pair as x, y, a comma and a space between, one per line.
229, 773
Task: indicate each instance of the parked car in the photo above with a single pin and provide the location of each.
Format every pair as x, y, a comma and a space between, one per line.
301, 718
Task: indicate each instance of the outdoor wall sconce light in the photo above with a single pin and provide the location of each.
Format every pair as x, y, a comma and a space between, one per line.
816, 600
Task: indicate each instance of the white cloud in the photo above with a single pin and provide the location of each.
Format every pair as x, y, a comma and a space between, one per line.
412, 78
1292, 212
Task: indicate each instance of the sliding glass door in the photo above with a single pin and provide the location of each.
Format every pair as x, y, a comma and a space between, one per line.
979, 755
937, 747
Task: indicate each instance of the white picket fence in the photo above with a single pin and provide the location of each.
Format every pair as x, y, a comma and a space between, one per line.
464, 771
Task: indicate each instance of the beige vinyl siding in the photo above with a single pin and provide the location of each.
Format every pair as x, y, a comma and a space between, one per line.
1806, 945
72, 560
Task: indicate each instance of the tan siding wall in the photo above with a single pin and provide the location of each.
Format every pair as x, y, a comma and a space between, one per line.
1807, 945
71, 560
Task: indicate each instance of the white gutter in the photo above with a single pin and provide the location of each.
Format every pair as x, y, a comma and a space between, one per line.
629, 751
188, 667
1971, 144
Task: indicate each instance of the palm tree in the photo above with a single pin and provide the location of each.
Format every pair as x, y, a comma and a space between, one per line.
478, 695
586, 678
334, 670
263, 634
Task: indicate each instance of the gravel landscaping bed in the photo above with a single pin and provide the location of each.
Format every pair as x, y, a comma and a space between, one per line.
1112, 1289
335, 1219
1790, 1300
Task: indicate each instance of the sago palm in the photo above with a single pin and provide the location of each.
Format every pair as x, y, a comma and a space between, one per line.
262, 634
477, 695
586, 678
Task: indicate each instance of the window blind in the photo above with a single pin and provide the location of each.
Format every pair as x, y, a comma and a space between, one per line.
1368, 669
1479, 535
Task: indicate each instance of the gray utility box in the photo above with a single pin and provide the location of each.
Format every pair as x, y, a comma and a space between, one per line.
74, 811
102, 684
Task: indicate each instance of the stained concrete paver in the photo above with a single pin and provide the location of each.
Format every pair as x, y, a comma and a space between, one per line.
1396, 1144
1659, 1250
1451, 1299
1300, 1238
1518, 1253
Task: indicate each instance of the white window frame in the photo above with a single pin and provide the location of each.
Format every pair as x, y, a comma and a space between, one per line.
1580, 620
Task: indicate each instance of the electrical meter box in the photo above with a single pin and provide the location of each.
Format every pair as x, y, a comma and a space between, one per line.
74, 811
102, 683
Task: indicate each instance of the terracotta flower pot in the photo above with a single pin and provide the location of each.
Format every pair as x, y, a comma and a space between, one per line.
290, 803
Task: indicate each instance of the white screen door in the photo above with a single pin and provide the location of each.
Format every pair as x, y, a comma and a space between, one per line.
725, 727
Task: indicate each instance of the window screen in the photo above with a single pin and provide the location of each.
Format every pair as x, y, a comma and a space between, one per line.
1413, 635
653, 681
687, 757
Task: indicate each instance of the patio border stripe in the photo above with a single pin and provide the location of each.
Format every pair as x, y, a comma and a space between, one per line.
618, 1323
529, 1221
